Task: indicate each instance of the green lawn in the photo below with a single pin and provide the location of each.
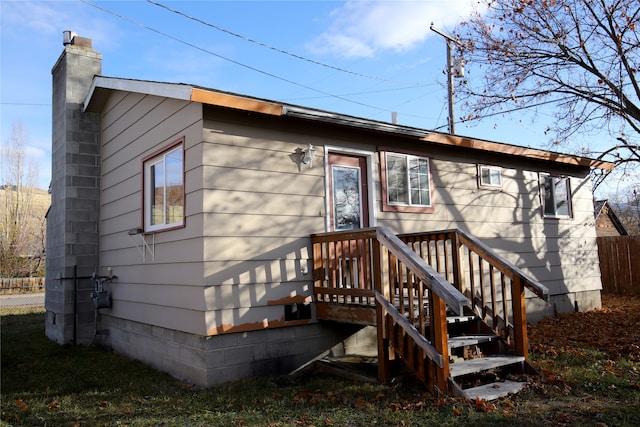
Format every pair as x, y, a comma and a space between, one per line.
47, 384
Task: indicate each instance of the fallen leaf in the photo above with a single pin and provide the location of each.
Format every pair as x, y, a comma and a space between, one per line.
360, 404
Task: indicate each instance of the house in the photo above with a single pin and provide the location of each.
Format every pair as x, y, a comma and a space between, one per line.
180, 231
607, 222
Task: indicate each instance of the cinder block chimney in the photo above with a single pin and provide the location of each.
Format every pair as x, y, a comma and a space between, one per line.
73, 219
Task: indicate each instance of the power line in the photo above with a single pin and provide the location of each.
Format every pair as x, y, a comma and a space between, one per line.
257, 70
28, 104
300, 57
293, 55
286, 80
370, 92
512, 110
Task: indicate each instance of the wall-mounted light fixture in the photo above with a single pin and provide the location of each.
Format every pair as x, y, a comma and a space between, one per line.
309, 152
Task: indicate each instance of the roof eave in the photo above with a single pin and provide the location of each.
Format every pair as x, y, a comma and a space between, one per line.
444, 139
168, 90
93, 101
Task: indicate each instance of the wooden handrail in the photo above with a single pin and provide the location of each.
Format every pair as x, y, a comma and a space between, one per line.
510, 270
488, 288
360, 233
454, 299
493, 258
417, 337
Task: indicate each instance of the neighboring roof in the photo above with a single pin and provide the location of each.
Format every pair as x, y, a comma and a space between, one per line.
101, 86
603, 206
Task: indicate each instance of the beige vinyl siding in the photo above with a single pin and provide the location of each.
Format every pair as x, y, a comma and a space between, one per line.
229, 201
261, 294
163, 294
260, 212
231, 272
166, 289
165, 316
189, 273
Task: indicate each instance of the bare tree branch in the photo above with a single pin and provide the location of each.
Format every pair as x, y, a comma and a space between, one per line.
21, 232
582, 56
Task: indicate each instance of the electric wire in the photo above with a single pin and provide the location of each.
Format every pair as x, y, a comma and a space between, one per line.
512, 110
284, 79
369, 92
300, 57
240, 64
28, 104
282, 51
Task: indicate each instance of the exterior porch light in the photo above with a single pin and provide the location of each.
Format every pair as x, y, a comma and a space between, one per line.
309, 153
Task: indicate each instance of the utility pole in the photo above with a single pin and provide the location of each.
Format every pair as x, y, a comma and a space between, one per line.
450, 75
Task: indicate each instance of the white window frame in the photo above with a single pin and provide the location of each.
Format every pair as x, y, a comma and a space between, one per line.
411, 206
149, 163
490, 185
555, 181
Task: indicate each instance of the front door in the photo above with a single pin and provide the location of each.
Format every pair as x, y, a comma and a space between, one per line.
348, 192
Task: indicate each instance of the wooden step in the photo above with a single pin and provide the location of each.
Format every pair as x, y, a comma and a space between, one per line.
455, 320
493, 391
473, 366
465, 340
460, 319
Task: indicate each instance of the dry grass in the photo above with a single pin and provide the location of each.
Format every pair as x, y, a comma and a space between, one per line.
589, 365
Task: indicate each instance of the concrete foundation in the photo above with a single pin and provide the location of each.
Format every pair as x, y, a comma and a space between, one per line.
538, 309
207, 361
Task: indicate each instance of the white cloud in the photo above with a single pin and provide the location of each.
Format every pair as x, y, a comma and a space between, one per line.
40, 18
362, 28
43, 22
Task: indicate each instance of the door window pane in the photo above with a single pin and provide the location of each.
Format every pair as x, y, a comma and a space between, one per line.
346, 197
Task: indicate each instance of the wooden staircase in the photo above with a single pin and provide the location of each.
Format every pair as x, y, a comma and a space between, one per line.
443, 302
480, 361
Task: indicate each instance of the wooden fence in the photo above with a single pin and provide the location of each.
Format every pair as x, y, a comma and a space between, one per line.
21, 285
620, 264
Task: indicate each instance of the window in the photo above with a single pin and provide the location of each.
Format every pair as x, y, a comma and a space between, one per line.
406, 183
489, 177
556, 196
164, 189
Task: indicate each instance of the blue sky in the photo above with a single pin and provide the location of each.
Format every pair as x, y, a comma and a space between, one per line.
362, 58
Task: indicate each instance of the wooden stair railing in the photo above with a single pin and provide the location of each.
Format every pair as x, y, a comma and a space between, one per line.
395, 331
356, 270
495, 287
413, 280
